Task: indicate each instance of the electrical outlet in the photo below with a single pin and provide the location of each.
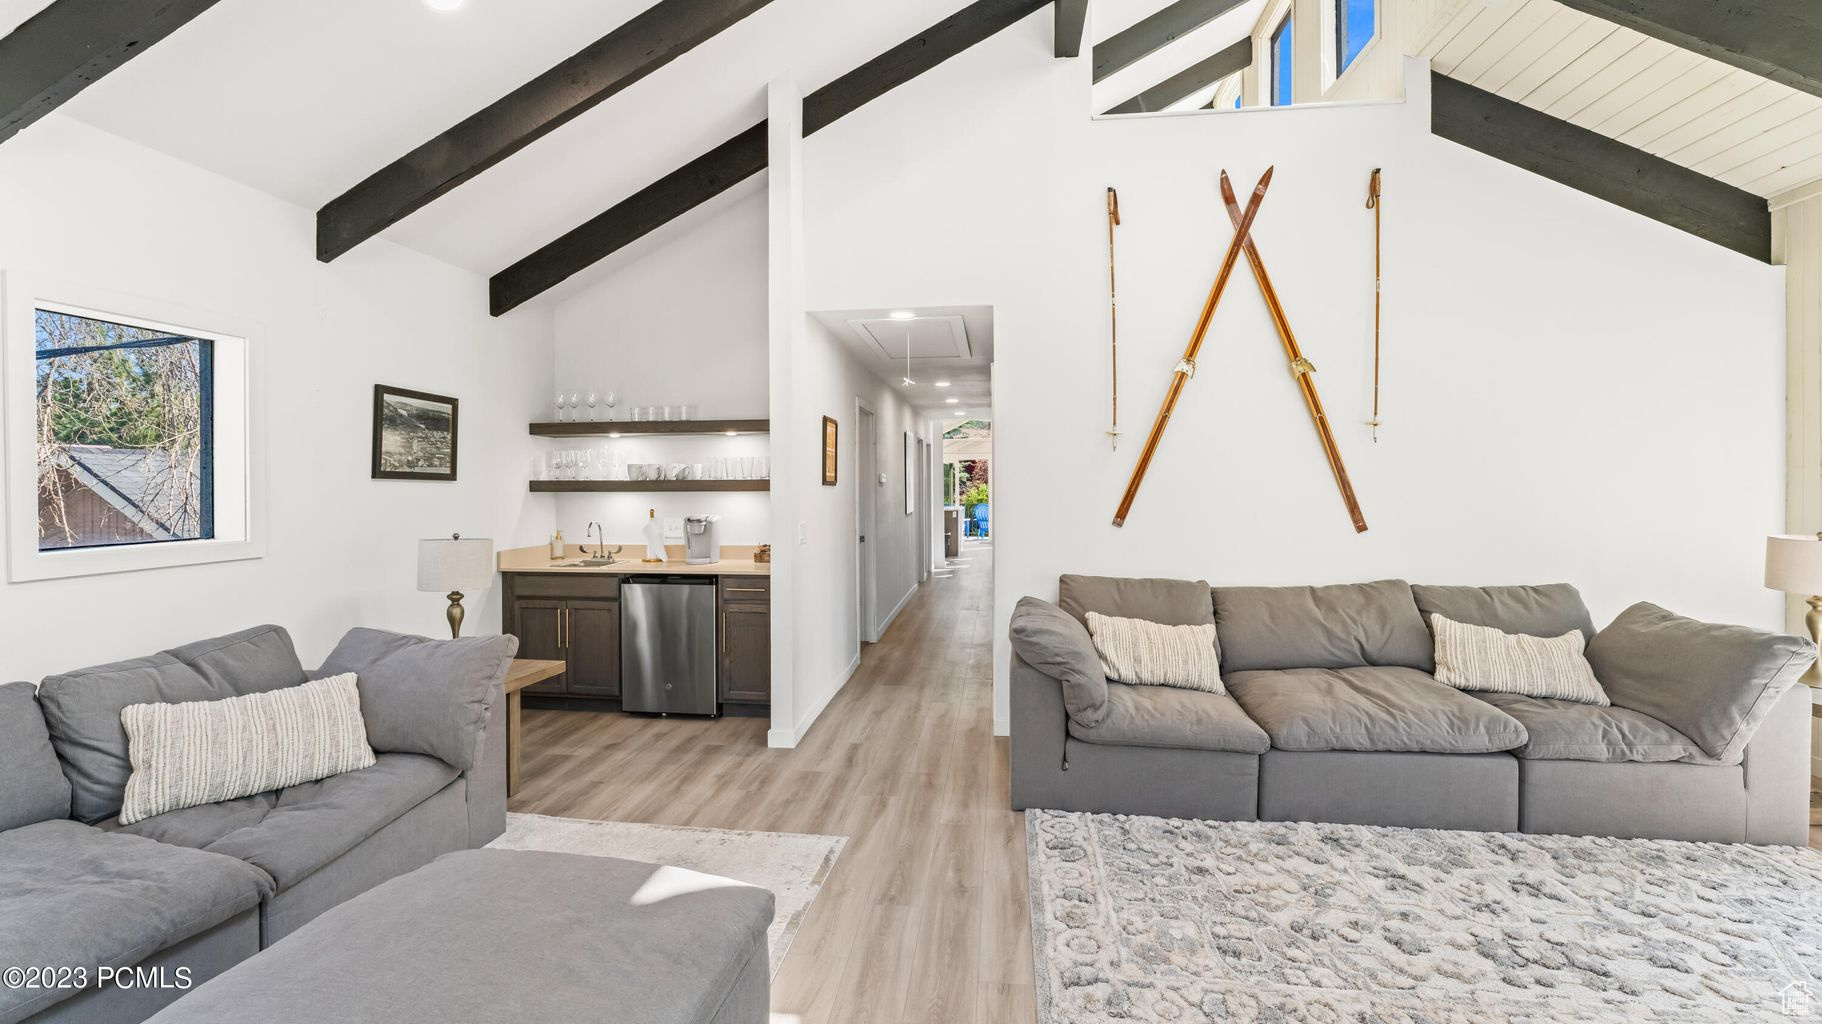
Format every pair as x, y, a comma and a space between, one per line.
673, 528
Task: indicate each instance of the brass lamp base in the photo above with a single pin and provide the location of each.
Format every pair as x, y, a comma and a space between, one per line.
1813, 620
456, 614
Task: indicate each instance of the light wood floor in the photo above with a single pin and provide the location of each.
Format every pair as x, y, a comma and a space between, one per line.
924, 917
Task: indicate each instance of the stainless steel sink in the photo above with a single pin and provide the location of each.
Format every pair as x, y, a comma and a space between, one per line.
590, 563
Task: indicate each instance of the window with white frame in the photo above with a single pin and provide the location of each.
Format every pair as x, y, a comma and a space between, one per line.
1355, 23
129, 439
1282, 90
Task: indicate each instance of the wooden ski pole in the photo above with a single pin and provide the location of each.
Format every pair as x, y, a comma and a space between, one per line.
1301, 368
1186, 367
1373, 205
1113, 312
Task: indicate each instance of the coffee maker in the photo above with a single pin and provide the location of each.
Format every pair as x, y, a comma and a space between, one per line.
701, 544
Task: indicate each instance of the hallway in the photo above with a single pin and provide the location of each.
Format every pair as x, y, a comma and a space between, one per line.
924, 916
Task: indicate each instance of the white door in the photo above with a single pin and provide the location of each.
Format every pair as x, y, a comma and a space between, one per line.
866, 497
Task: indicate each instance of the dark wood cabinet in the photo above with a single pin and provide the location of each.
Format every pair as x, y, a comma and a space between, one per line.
746, 640
569, 618
575, 618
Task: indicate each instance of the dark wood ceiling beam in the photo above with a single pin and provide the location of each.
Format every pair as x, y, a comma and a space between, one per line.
1131, 45
646, 42
68, 46
1602, 167
1192, 79
1779, 39
744, 155
1072, 22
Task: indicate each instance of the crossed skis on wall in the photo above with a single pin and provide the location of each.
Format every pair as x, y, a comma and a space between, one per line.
1301, 368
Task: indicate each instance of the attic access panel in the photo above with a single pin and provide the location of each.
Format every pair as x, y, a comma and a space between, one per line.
932, 337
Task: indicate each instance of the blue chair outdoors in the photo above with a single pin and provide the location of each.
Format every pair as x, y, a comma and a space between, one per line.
979, 524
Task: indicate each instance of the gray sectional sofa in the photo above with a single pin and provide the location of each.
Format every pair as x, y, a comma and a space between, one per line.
204, 888
1332, 714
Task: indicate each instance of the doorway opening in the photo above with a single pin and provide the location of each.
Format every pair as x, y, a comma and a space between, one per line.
866, 502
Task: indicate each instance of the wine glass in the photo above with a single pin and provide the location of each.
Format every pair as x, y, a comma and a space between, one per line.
610, 400
591, 400
560, 401
575, 405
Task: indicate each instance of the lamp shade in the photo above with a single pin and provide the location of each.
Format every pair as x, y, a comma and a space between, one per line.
1793, 563
455, 564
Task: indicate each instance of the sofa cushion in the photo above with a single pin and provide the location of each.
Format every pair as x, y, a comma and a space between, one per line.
1378, 708
1713, 683
1343, 626
72, 895
82, 708
1153, 654
32, 784
1489, 659
294, 831
1171, 602
424, 696
1562, 730
1549, 609
1049, 640
1165, 716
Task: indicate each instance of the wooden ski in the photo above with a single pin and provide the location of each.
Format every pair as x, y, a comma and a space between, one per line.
1186, 367
1301, 368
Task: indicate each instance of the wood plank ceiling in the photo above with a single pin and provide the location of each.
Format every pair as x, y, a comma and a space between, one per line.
1691, 110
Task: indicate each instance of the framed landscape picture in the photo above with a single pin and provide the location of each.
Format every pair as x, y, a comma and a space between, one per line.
414, 435
829, 450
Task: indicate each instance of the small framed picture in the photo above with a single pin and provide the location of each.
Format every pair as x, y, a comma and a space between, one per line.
830, 450
414, 435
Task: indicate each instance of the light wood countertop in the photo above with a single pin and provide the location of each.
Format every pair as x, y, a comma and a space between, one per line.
736, 560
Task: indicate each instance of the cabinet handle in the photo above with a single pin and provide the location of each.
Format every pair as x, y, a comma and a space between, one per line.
562, 628
746, 590
724, 632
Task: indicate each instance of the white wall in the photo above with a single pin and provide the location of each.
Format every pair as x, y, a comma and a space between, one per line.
684, 323
79, 205
1573, 392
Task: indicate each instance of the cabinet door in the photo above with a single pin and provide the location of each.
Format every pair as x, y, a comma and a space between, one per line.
539, 627
593, 635
746, 653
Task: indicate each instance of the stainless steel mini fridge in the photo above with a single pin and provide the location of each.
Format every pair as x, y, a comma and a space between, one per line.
667, 645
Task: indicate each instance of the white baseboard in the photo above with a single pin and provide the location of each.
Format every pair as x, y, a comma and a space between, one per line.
893, 614
788, 738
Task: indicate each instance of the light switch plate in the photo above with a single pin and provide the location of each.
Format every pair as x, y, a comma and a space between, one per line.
673, 528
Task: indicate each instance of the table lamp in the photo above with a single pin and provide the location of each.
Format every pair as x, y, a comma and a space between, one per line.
1793, 564
455, 566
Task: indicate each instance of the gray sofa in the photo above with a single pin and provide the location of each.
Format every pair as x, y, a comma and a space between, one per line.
187, 894
1332, 714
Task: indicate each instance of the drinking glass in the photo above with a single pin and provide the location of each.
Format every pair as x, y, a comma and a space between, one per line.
539, 469
610, 401
575, 405
762, 468
585, 465
591, 399
560, 401
651, 412
667, 413
683, 412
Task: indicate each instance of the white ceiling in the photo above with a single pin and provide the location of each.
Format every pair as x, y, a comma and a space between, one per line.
1692, 110
1110, 17
304, 98
934, 353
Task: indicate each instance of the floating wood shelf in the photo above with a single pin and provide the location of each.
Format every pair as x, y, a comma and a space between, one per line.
651, 485
635, 428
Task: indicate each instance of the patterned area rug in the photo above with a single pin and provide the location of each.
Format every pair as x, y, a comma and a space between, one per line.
793, 866
1149, 919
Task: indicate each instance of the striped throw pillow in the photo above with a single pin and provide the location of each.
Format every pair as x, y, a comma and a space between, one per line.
1486, 659
207, 751
1146, 653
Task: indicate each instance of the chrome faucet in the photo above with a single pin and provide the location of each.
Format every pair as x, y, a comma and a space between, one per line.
593, 529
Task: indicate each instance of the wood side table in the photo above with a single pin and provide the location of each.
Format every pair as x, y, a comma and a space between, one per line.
524, 672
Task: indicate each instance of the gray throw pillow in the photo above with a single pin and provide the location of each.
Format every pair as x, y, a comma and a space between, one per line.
82, 708
424, 696
1549, 609
1054, 643
32, 786
1171, 602
1713, 683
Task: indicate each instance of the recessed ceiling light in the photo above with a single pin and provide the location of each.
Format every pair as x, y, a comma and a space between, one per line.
942, 383
442, 5
952, 401
903, 314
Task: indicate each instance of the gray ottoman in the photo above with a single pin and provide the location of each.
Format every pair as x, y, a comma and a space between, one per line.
498, 936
